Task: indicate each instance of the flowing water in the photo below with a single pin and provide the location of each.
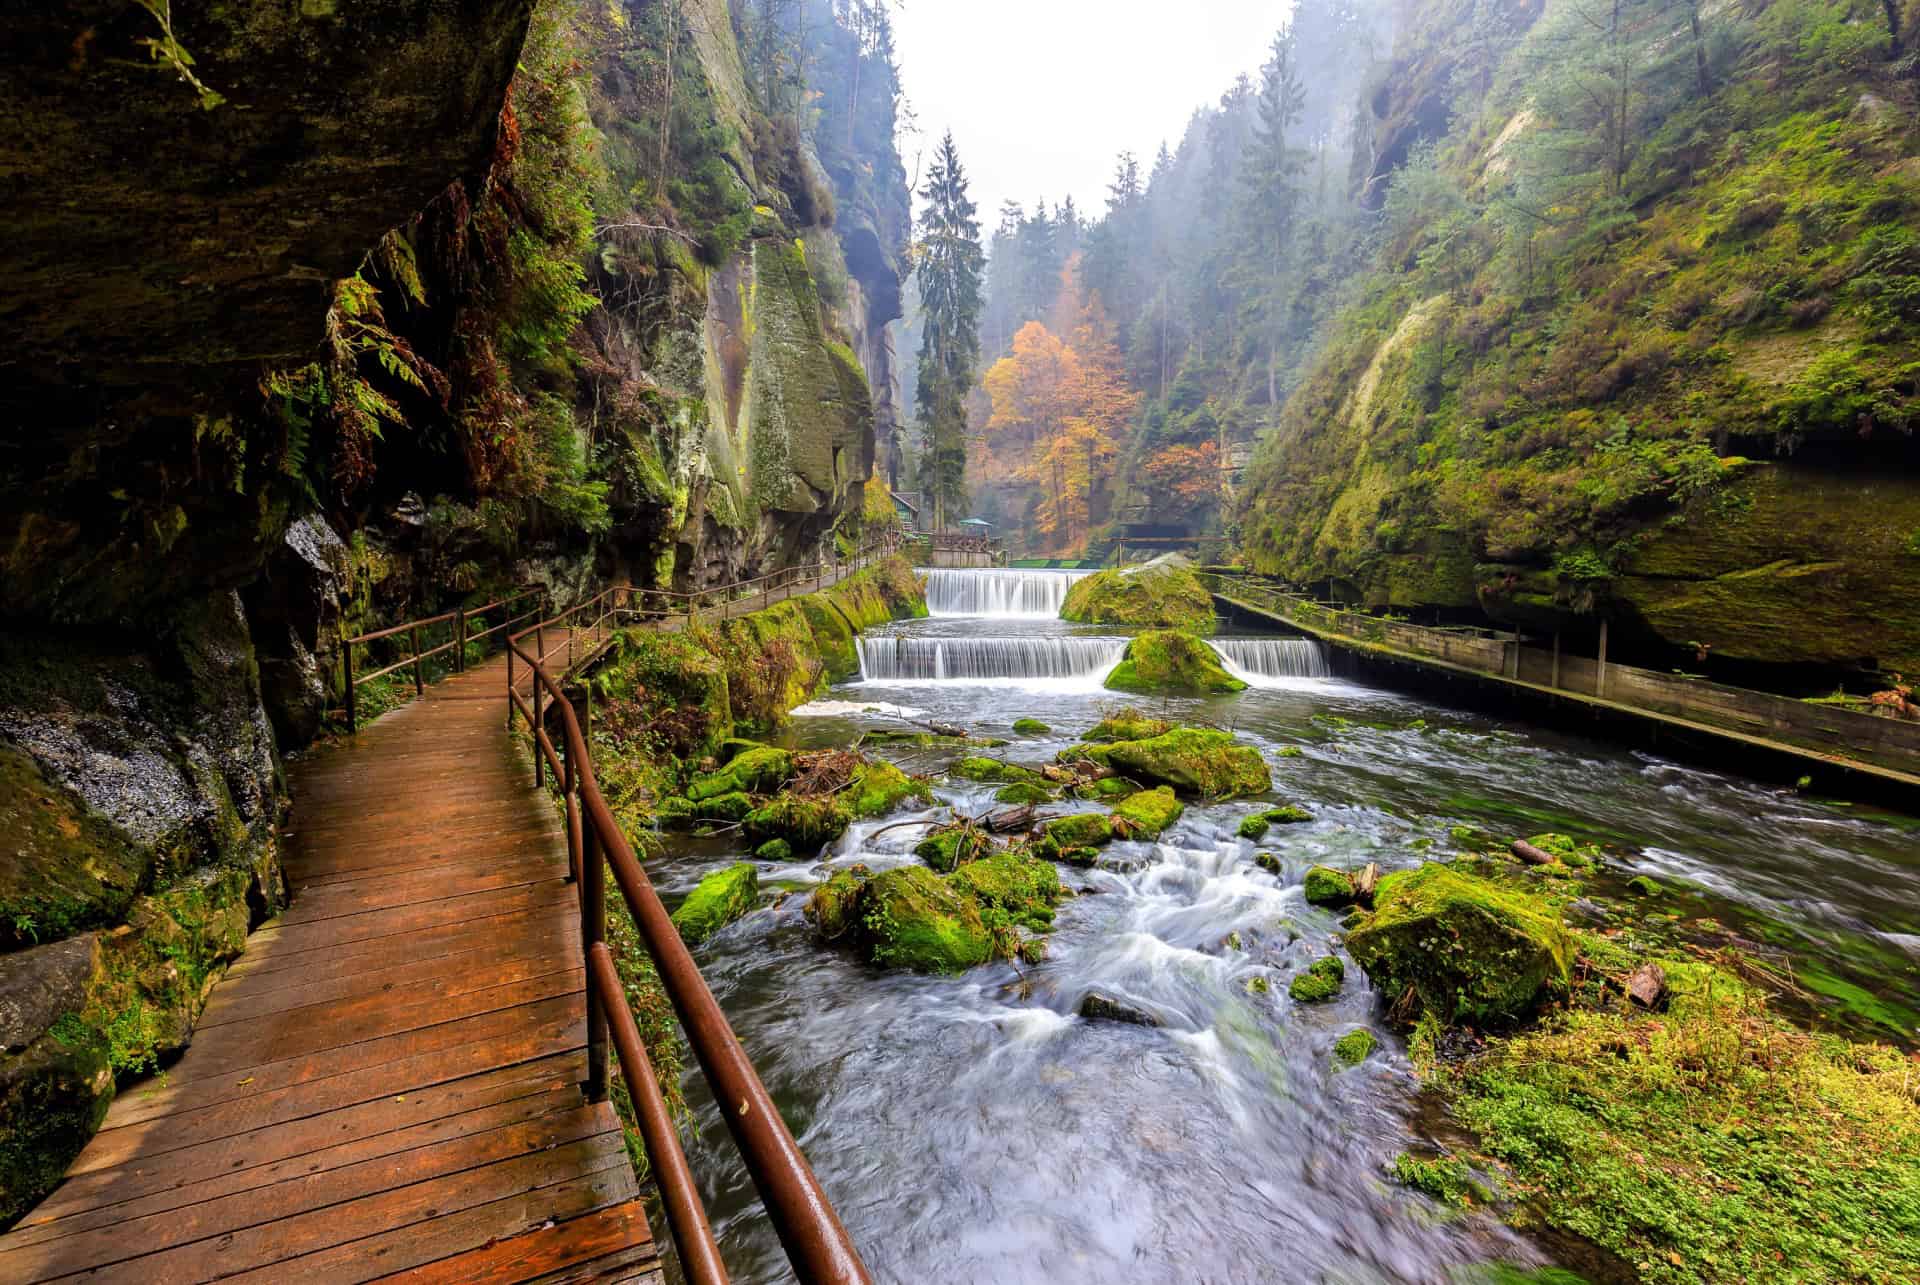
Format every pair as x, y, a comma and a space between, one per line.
999, 592
974, 1129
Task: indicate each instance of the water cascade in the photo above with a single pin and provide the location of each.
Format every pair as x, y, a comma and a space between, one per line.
1267, 662
998, 592
920, 660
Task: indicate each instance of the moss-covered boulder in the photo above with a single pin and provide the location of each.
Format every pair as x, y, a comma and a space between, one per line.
1469, 950
717, 901
1081, 830
1256, 826
730, 807
1127, 725
1011, 886
1320, 982
1022, 792
979, 768
805, 823
1030, 727
1325, 886
760, 770
1168, 662
1146, 814
879, 787
1354, 1047
834, 908
1161, 594
1109, 789
948, 848
774, 850
910, 917
1194, 761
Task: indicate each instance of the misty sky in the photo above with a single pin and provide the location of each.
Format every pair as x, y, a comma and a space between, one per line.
1041, 95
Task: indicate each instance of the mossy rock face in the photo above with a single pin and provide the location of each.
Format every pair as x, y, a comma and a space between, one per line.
1471, 951
1014, 883
733, 746
978, 768
834, 908
946, 850
1149, 812
1354, 1047
1167, 662
720, 898
672, 674
1030, 727
1320, 983
909, 917
806, 824
1325, 886
879, 787
1127, 725
1081, 830
1256, 826
1194, 761
1162, 594
761, 770
67, 869
1022, 792
734, 806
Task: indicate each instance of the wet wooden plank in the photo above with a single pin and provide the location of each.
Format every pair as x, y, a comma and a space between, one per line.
617, 1236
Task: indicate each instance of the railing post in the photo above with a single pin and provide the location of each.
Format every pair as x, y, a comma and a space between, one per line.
509, 682
419, 676
346, 670
459, 640
539, 768
1555, 682
1600, 678
593, 931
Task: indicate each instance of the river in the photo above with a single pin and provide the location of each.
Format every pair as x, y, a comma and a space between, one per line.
973, 1128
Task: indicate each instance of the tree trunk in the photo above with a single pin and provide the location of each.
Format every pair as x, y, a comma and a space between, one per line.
1892, 10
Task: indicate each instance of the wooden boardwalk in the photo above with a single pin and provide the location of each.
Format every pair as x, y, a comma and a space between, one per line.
387, 1083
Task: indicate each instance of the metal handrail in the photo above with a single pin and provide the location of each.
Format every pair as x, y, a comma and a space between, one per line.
816, 1241
457, 644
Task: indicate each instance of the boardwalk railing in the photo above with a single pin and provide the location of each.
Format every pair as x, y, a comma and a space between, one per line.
816, 1243
516, 608
1826, 730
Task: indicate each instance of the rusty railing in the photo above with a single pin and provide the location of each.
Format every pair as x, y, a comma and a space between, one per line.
460, 634
816, 1242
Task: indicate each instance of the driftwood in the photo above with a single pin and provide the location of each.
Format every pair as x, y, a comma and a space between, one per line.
1531, 855
1647, 985
1365, 882
1009, 820
940, 729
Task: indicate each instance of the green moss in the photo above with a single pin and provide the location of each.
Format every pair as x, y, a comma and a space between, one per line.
1127, 725
1010, 887
1257, 825
1162, 594
760, 770
948, 848
1645, 886
774, 851
1447, 1179
834, 907
977, 768
1030, 727
1148, 813
1194, 761
1022, 792
879, 787
911, 918
1167, 662
718, 900
674, 686
1566, 849
730, 807
1469, 950
1320, 982
1325, 886
805, 823
1354, 1047
1109, 788
1080, 830
67, 869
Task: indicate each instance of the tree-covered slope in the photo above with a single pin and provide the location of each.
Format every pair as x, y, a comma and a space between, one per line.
1638, 340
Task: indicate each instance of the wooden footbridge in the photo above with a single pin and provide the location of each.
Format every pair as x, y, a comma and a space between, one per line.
405, 1076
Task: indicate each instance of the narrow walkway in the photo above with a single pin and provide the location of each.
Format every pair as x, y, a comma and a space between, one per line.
387, 1082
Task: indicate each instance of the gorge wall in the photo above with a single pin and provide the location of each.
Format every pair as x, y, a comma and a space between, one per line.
332, 314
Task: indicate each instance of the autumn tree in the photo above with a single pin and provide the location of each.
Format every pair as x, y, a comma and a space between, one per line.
947, 270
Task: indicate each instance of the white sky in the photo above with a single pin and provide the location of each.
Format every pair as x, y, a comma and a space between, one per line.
1042, 95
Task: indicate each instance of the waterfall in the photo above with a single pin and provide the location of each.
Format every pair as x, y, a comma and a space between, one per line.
921, 660
998, 593
1270, 662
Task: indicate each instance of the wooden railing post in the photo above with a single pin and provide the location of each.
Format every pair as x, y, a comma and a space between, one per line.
346, 671
539, 768
459, 640
1600, 677
419, 667
593, 932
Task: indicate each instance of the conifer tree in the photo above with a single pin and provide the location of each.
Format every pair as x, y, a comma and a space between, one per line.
948, 268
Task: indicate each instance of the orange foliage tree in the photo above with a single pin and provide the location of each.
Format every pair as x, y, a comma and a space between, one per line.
1185, 479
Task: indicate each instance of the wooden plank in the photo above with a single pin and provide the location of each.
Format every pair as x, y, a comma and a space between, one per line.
349, 929
385, 1117
616, 1233
266, 969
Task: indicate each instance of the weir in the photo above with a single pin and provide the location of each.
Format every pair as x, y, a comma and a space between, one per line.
1038, 594
921, 660
1264, 662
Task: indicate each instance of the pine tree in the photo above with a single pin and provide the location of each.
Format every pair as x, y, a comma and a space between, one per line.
1270, 191
948, 271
